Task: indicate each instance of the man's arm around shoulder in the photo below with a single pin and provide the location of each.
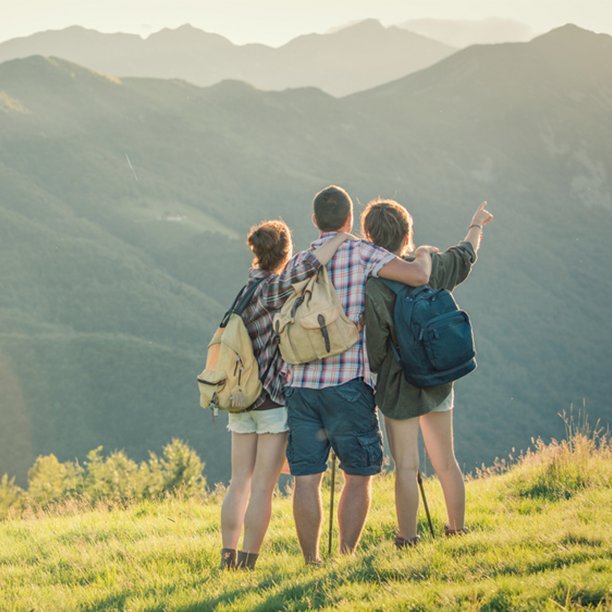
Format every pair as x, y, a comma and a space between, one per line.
413, 273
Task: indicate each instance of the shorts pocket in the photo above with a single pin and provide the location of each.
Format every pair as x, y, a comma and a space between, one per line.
372, 449
360, 453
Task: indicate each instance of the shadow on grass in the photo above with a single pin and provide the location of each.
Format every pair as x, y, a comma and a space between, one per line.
306, 590
117, 601
304, 596
292, 594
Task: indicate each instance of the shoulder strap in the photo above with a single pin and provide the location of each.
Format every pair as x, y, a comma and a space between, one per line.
243, 299
246, 295
272, 360
400, 288
395, 286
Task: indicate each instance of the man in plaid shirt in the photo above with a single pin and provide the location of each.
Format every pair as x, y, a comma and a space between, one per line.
330, 401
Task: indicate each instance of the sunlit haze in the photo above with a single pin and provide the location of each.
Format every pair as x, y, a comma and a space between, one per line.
274, 22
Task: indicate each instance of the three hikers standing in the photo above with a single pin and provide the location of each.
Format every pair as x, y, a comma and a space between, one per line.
330, 402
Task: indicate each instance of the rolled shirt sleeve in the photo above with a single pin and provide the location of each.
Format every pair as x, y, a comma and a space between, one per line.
374, 258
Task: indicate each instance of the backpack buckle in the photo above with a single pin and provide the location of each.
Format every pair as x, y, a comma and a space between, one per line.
214, 406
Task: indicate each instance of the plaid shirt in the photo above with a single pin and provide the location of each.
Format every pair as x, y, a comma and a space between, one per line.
349, 269
269, 297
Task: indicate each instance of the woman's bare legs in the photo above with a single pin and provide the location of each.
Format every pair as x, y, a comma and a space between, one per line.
437, 430
268, 464
403, 442
244, 452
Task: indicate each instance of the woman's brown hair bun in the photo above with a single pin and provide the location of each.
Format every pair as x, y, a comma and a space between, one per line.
271, 244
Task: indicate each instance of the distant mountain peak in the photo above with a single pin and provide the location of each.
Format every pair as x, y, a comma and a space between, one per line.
355, 58
187, 32
571, 37
232, 86
367, 24
363, 27
185, 28
569, 27
75, 28
463, 33
565, 31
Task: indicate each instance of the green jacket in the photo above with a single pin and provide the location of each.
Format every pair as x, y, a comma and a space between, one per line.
396, 397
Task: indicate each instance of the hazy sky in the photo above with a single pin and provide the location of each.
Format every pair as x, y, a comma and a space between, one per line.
277, 21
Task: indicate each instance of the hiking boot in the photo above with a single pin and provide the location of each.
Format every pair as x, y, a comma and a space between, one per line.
455, 532
228, 559
402, 543
246, 560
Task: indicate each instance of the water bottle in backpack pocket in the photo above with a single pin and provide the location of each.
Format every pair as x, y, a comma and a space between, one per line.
434, 342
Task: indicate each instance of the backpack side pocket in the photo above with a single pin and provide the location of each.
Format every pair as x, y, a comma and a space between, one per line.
448, 340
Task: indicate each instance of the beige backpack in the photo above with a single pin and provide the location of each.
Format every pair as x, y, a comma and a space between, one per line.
230, 381
312, 324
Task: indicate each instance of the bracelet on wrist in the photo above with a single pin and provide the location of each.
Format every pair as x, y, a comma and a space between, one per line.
475, 225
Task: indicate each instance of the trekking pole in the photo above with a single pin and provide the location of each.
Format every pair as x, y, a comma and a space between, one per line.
331, 504
420, 481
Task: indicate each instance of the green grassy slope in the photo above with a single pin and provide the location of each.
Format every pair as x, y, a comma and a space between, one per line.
540, 540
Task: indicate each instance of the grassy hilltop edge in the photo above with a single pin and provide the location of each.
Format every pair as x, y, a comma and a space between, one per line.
540, 539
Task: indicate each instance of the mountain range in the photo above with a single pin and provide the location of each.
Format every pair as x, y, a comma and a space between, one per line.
348, 60
463, 32
124, 203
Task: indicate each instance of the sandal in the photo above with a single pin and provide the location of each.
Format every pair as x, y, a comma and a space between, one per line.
455, 532
402, 543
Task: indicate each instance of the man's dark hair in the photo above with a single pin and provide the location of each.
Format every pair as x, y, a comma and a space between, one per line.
332, 207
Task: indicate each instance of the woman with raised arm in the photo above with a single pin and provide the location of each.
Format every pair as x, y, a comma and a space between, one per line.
259, 435
404, 406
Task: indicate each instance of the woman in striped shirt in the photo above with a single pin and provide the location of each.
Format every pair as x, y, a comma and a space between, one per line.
259, 436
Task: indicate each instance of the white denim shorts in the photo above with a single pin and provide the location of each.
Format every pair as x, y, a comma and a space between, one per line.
271, 421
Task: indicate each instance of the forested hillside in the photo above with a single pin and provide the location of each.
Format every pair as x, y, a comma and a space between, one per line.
124, 202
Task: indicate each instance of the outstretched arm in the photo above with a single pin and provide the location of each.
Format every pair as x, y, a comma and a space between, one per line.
481, 217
